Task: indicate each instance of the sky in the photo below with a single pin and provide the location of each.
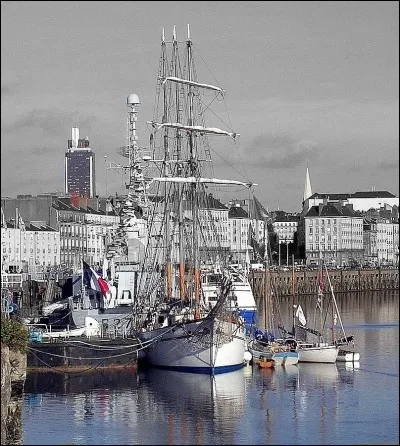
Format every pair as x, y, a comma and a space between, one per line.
308, 84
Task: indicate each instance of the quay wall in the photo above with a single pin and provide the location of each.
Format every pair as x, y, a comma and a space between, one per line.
287, 283
13, 375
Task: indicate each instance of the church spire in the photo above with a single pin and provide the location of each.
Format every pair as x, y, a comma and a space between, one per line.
307, 187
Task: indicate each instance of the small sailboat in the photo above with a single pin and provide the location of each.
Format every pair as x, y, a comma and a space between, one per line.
264, 344
266, 363
321, 350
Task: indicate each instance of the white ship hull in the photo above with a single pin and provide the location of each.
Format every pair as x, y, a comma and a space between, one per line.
241, 296
348, 356
285, 358
112, 316
205, 346
323, 354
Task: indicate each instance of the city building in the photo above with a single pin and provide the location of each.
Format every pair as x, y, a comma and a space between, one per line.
23, 248
30, 208
334, 232
213, 218
381, 242
361, 201
285, 227
83, 233
79, 167
238, 229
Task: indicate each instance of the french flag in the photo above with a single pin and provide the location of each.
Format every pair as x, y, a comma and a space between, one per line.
92, 280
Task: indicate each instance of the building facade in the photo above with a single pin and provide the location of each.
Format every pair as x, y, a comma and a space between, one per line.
360, 201
335, 234
79, 167
25, 248
83, 233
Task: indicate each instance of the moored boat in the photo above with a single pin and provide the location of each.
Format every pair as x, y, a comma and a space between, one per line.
265, 363
321, 352
178, 325
348, 356
241, 294
281, 354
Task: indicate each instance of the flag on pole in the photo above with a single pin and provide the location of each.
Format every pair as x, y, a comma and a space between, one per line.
300, 315
93, 281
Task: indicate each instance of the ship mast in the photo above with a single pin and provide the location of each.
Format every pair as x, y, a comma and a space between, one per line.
193, 166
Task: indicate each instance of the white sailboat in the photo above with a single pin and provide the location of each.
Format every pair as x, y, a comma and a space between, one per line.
319, 350
339, 349
175, 322
279, 350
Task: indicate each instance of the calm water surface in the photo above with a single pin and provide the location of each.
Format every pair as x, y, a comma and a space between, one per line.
303, 404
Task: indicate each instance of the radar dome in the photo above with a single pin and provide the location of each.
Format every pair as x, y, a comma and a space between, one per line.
133, 99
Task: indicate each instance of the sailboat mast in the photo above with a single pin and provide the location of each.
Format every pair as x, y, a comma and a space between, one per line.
168, 247
335, 303
193, 172
179, 187
266, 278
293, 298
321, 298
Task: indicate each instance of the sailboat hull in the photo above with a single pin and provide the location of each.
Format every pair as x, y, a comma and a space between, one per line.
283, 358
210, 347
348, 356
323, 354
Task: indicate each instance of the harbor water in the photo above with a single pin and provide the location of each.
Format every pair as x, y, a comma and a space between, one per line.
342, 403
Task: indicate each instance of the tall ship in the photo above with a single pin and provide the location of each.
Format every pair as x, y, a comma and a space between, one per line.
176, 233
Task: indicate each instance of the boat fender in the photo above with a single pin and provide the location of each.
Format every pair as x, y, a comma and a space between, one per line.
12, 308
247, 356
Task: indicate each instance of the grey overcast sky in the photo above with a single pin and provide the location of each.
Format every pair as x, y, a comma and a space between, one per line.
308, 83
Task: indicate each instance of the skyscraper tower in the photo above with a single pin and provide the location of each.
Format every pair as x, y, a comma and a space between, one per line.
79, 167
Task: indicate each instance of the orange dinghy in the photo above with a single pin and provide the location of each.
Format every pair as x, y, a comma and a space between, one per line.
266, 363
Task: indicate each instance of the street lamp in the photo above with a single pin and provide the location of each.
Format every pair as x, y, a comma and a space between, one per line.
105, 163
279, 252
287, 252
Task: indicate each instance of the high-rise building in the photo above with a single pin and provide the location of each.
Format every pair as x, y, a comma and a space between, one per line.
79, 167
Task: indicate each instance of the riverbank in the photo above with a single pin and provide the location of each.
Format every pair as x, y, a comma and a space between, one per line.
13, 375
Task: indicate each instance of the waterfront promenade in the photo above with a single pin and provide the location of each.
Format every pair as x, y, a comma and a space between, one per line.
287, 283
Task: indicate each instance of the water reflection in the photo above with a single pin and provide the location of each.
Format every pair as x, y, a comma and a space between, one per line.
355, 308
75, 383
303, 404
202, 400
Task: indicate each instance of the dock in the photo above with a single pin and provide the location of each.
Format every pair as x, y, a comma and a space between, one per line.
83, 354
